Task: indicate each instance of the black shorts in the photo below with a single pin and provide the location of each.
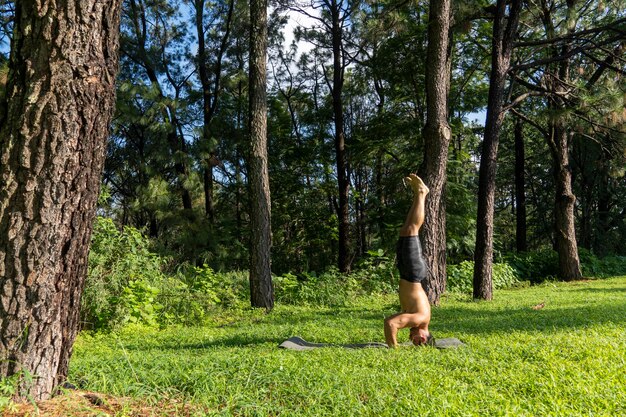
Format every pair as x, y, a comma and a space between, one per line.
410, 260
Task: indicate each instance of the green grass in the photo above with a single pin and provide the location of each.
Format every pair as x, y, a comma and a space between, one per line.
567, 359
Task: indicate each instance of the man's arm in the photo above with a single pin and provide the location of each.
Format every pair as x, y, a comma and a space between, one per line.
391, 332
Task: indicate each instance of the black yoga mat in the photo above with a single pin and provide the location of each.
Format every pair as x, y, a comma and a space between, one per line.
298, 343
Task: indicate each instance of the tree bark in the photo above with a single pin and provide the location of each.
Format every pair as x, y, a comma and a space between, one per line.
569, 263
504, 33
261, 287
61, 96
436, 141
559, 144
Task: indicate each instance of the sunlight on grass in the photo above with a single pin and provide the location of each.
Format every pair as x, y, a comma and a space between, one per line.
567, 358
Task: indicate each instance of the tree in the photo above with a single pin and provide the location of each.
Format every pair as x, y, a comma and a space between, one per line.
504, 34
581, 44
149, 33
261, 287
437, 136
60, 98
331, 34
520, 187
210, 83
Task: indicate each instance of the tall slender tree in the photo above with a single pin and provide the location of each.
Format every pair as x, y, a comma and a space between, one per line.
334, 19
53, 131
210, 83
152, 30
504, 34
261, 287
520, 187
579, 45
437, 136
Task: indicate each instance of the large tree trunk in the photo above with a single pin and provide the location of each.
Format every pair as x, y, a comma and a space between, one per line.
504, 32
261, 288
61, 95
569, 263
559, 144
340, 142
436, 140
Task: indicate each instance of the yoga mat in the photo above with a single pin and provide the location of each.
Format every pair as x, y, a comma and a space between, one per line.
298, 343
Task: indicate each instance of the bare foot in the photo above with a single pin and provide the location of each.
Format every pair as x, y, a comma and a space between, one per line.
417, 184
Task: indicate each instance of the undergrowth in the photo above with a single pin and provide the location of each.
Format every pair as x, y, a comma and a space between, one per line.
128, 283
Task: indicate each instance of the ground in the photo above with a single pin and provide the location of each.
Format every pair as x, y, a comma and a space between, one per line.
87, 404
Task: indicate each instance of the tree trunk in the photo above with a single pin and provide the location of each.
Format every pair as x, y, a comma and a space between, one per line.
261, 287
559, 144
569, 263
436, 141
504, 32
340, 142
61, 96
520, 188
210, 96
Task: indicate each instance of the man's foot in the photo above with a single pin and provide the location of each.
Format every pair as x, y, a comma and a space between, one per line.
417, 185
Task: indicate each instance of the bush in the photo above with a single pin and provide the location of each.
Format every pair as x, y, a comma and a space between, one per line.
376, 274
535, 267
328, 289
460, 277
123, 278
194, 291
592, 266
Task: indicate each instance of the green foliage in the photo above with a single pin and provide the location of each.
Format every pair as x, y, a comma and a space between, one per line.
460, 277
592, 266
138, 300
375, 274
191, 295
8, 388
128, 283
121, 284
536, 266
328, 289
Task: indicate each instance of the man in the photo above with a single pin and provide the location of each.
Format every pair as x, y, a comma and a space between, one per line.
413, 300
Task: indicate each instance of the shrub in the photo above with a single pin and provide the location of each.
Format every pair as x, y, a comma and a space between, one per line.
592, 266
122, 280
536, 267
376, 273
460, 277
194, 291
328, 289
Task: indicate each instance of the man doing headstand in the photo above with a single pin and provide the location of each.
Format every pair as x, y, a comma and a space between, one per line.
414, 304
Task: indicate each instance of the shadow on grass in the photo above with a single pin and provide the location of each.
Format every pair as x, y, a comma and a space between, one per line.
526, 319
234, 340
601, 290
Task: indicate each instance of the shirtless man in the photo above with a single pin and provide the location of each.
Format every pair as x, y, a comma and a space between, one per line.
413, 300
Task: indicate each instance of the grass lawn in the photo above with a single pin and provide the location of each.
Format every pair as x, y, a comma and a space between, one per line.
566, 359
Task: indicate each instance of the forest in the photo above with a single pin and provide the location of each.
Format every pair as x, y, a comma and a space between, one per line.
346, 121
255, 152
